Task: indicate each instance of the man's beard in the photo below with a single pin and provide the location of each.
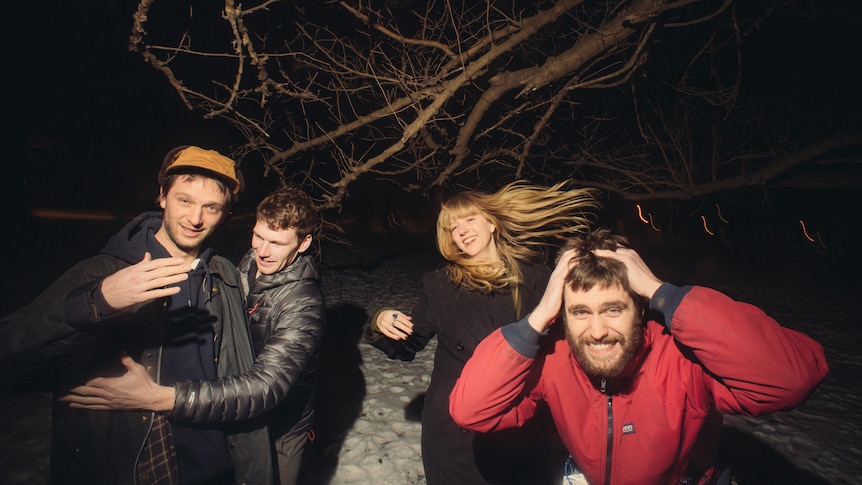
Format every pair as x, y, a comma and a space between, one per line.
601, 367
171, 229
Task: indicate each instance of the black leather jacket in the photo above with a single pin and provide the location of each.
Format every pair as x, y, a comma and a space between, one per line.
286, 322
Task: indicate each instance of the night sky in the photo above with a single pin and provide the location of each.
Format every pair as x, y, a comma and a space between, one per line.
91, 120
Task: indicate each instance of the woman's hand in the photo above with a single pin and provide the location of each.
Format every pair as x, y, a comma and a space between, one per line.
394, 324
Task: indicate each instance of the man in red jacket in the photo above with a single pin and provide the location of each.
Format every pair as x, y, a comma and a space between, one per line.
635, 401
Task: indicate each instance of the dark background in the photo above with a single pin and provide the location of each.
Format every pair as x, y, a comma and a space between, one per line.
91, 119
90, 122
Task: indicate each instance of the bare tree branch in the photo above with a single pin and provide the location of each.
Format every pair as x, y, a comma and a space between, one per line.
643, 98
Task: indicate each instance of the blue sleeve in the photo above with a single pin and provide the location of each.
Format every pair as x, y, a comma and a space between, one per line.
522, 337
667, 299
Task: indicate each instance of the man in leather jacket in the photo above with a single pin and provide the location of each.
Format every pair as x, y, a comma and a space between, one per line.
158, 294
286, 319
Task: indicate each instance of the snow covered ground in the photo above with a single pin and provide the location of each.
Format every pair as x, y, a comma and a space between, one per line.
368, 430
817, 443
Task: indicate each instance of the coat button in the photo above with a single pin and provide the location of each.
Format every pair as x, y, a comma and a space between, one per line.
460, 346
144, 418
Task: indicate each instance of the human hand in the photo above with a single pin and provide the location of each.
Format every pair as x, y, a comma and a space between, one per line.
641, 279
144, 281
394, 324
133, 390
549, 307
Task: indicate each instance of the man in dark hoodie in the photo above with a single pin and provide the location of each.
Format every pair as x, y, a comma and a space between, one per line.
158, 294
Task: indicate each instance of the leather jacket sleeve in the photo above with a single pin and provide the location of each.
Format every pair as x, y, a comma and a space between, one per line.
298, 332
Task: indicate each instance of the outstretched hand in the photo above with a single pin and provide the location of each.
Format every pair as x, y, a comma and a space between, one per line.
641, 278
395, 324
144, 281
133, 390
552, 301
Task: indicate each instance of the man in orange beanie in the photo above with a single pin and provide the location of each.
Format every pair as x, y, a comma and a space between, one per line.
158, 294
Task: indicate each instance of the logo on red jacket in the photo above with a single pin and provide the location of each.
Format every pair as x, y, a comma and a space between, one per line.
629, 428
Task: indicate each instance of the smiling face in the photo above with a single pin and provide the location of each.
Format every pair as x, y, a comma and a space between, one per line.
474, 236
274, 249
193, 207
603, 328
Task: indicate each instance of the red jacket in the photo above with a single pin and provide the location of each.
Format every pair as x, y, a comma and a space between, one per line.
661, 423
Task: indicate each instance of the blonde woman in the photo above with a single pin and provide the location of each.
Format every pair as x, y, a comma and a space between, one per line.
493, 244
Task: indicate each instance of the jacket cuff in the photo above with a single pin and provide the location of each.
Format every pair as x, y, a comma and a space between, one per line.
523, 338
85, 306
667, 299
184, 398
372, 322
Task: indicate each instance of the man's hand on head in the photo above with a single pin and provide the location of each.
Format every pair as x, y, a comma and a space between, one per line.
144, 281
641, 278
549, 307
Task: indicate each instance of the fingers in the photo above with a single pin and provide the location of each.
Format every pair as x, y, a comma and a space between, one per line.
85, 397
144, 281
91, 407
395, 325
95, 387
397, 329
565, 261
620, 254
87, 390
549, 306
159, 271
169, 270
641, 278
84, 402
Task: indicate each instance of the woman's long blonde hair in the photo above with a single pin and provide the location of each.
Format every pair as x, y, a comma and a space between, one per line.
526, 217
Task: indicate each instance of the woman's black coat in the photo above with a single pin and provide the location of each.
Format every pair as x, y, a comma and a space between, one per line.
460, 319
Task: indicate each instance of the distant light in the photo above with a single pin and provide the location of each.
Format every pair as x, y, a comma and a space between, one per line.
651, 223
805, 231
649, 214
717, 208
705, 227
641, 214
820, 239
79, 215
644, 220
